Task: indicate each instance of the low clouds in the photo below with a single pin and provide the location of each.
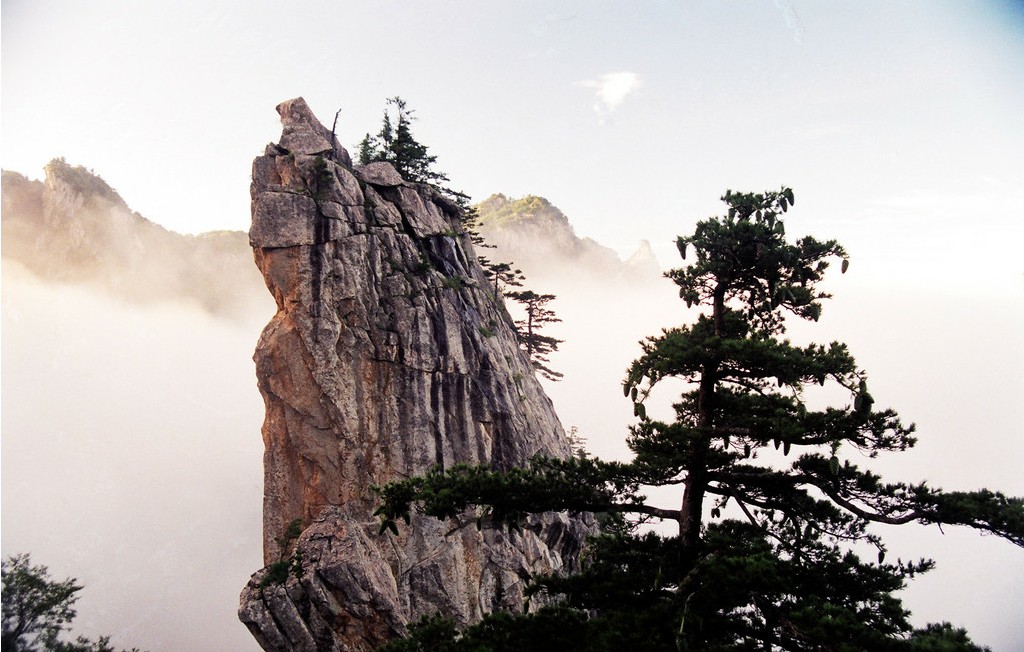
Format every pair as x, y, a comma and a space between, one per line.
611, 90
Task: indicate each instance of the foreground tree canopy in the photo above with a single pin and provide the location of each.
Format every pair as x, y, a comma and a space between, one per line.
773, 515
37, 611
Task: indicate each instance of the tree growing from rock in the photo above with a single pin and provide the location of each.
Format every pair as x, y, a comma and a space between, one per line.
537, 315
395, 144
774, 513
504, 275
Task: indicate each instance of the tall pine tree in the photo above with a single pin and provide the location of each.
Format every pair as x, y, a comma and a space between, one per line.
774, 512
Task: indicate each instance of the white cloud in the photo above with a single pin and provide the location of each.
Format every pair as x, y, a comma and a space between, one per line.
612, 90
792, 19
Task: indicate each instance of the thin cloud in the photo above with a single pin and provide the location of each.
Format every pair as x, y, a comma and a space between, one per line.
792, 19
612, 89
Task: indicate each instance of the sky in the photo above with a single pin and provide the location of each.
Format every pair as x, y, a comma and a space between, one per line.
897, 125
891, 121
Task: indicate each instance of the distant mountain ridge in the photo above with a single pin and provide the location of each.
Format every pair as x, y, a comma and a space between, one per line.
74, 228
538, 238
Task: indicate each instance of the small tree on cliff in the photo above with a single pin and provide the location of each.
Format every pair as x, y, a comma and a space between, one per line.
395, 144
538, 347
773, 513
504, 276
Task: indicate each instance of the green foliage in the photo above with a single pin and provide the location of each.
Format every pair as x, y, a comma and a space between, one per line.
499, 209
503, 275
278, 571
550, 630
577, 443
87, 182
574, 484
942, 638
37, 611
538, 347
772, 503
323, 178
395, 144
454, 282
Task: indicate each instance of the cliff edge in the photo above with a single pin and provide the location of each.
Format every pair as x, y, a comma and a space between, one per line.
387, 355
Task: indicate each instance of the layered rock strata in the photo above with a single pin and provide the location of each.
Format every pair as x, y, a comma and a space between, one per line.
387, 355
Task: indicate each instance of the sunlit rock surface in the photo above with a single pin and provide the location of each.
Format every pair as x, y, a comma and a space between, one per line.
388, 355
532, 233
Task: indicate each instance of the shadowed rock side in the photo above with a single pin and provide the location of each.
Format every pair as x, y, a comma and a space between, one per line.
387, 355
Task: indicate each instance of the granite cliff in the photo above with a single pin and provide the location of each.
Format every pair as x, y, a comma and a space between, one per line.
387, 355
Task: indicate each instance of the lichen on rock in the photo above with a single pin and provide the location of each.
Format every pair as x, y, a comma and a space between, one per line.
388, 355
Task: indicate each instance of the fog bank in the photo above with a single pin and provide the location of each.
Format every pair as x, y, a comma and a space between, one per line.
131, 459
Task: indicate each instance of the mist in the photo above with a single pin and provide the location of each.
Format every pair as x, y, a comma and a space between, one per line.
946, 357
131, 459
132, 455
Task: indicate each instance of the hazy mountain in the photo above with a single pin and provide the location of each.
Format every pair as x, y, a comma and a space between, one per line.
74, 228
533, 234
131, 447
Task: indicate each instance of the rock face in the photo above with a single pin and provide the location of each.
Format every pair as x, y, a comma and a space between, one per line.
387, 356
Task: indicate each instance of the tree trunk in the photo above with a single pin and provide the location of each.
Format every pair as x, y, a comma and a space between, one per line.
695, 485
529, 332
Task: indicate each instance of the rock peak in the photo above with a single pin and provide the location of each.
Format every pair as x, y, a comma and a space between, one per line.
644, 259
302, 133
388, 355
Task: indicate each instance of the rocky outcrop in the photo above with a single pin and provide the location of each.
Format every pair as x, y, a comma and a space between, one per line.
538, 237
387, 356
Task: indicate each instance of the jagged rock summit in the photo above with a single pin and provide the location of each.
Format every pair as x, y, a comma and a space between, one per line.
387, 355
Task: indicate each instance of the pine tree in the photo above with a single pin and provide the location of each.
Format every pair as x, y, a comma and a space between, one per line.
774, 512
538, 347
504, 276
395, 144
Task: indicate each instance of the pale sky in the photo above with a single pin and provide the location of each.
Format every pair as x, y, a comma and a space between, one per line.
894, 122
898, 125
